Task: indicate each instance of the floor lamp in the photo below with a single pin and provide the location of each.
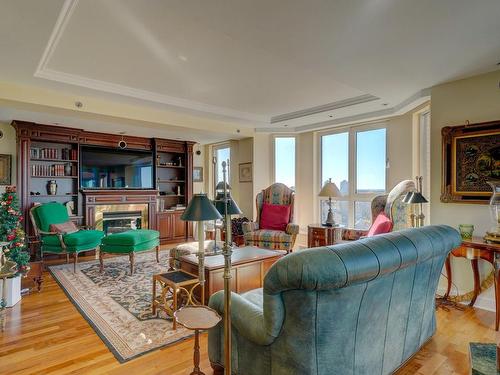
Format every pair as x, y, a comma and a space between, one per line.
200, 209
228, 208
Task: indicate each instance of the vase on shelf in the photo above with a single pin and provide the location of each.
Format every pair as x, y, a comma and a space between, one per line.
493, 235
67, 169
52, 187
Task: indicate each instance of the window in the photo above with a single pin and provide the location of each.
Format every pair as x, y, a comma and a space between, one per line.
284, 161
356, 162
222, 153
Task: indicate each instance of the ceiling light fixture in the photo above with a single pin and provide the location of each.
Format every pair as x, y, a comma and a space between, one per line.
385, 104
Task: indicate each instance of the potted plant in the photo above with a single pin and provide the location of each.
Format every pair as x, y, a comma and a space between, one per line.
11, 232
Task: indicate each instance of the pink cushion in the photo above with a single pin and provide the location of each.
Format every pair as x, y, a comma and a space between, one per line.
382, 224
67, 227
274, 216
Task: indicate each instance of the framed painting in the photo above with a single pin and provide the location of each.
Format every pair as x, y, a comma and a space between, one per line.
471, 158
245, 172
5, 169
198, 174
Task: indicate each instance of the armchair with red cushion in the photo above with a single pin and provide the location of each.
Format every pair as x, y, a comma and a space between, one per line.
389, 213
273, 228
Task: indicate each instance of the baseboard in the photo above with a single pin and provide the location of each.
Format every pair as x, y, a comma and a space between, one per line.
484, 301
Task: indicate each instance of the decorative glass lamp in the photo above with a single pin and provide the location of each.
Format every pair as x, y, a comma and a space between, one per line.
329, 190
200, 209
493, 235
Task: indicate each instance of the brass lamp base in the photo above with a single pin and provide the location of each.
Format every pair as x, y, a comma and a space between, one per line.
492, 237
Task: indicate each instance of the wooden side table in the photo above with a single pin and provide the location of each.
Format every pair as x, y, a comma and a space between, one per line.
197, 318
320, 235
475, 249
174, 285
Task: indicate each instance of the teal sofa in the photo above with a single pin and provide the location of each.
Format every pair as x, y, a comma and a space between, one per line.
363, 307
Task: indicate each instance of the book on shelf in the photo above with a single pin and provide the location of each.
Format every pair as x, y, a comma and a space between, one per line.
53, 153
50, 170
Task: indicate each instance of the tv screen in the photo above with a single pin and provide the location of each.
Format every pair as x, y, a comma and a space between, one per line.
104, 168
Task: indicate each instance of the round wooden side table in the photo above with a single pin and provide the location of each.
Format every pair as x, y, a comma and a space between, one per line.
197, 318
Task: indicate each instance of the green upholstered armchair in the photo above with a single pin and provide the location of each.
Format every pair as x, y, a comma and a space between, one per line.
272, 239
362, 307
42, 216
392, 205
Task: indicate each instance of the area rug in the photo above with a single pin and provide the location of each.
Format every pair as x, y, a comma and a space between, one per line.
118, 305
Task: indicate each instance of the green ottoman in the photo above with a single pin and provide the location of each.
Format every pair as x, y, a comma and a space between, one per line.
130, 242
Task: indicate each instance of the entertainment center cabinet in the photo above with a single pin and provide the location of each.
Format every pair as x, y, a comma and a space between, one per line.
50, 167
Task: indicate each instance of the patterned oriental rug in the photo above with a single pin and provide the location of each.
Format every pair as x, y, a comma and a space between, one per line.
118, 306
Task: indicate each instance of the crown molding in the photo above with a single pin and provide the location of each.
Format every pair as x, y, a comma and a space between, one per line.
403, 107
324, 108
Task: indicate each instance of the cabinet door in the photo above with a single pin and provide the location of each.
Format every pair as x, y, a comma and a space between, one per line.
165, 226
179, 226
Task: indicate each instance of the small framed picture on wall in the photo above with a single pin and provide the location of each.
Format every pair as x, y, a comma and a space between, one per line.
5, 169
198, 174
246, 172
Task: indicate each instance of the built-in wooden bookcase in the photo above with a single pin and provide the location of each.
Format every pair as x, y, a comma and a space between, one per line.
46, 153
53, 161
174, 166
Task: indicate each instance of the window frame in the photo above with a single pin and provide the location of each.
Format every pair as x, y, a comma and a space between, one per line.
353, 196
273, 171
215, 148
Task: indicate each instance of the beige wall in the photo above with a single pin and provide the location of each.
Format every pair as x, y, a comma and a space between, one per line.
8, 146
262, 163
475, 99
199, 161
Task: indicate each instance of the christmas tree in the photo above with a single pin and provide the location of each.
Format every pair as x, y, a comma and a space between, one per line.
11, 230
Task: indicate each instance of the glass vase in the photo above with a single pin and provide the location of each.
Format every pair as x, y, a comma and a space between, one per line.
494, 233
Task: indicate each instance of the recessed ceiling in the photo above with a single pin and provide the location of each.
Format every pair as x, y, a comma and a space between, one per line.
262, 64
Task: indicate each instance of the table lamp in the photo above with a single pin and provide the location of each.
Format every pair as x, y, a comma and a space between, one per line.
416, 197
199, 209
329, 190
225, 204
219, 193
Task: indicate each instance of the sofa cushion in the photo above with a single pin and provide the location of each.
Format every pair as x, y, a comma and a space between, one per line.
131, 237
265, 235
82, 237
382, 224
274, 216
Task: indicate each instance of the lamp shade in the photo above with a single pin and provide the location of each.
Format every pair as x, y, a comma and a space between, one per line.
200, 208
329, 190
220, 186
414, 197
232, 207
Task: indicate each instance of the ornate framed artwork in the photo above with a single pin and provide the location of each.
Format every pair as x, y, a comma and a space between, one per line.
471, 158
245, 172
197, 174
5, 169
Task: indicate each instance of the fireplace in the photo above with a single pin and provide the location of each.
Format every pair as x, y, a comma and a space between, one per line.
121, 221
115, 218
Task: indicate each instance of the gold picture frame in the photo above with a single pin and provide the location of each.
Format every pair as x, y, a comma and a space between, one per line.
470, 158
5, 169
245, 172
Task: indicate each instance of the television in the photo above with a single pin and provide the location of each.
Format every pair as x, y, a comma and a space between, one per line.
105, 168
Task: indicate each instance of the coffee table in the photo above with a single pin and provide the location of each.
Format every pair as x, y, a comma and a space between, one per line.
249, 266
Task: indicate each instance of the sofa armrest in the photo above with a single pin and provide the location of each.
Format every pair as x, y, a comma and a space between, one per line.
246, 317
249, 226
292, 229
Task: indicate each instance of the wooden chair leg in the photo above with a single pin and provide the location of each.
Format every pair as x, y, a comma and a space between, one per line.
67, 258
101, 262
131, 256
158, 254
75, 256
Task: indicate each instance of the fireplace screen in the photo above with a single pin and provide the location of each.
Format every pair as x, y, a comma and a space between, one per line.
121, 221
115, 218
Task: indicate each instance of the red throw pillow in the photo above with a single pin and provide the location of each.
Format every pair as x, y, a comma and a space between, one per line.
65, 228
274, 216
382, 224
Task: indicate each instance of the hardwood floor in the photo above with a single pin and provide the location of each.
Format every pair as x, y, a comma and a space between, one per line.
46, 334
